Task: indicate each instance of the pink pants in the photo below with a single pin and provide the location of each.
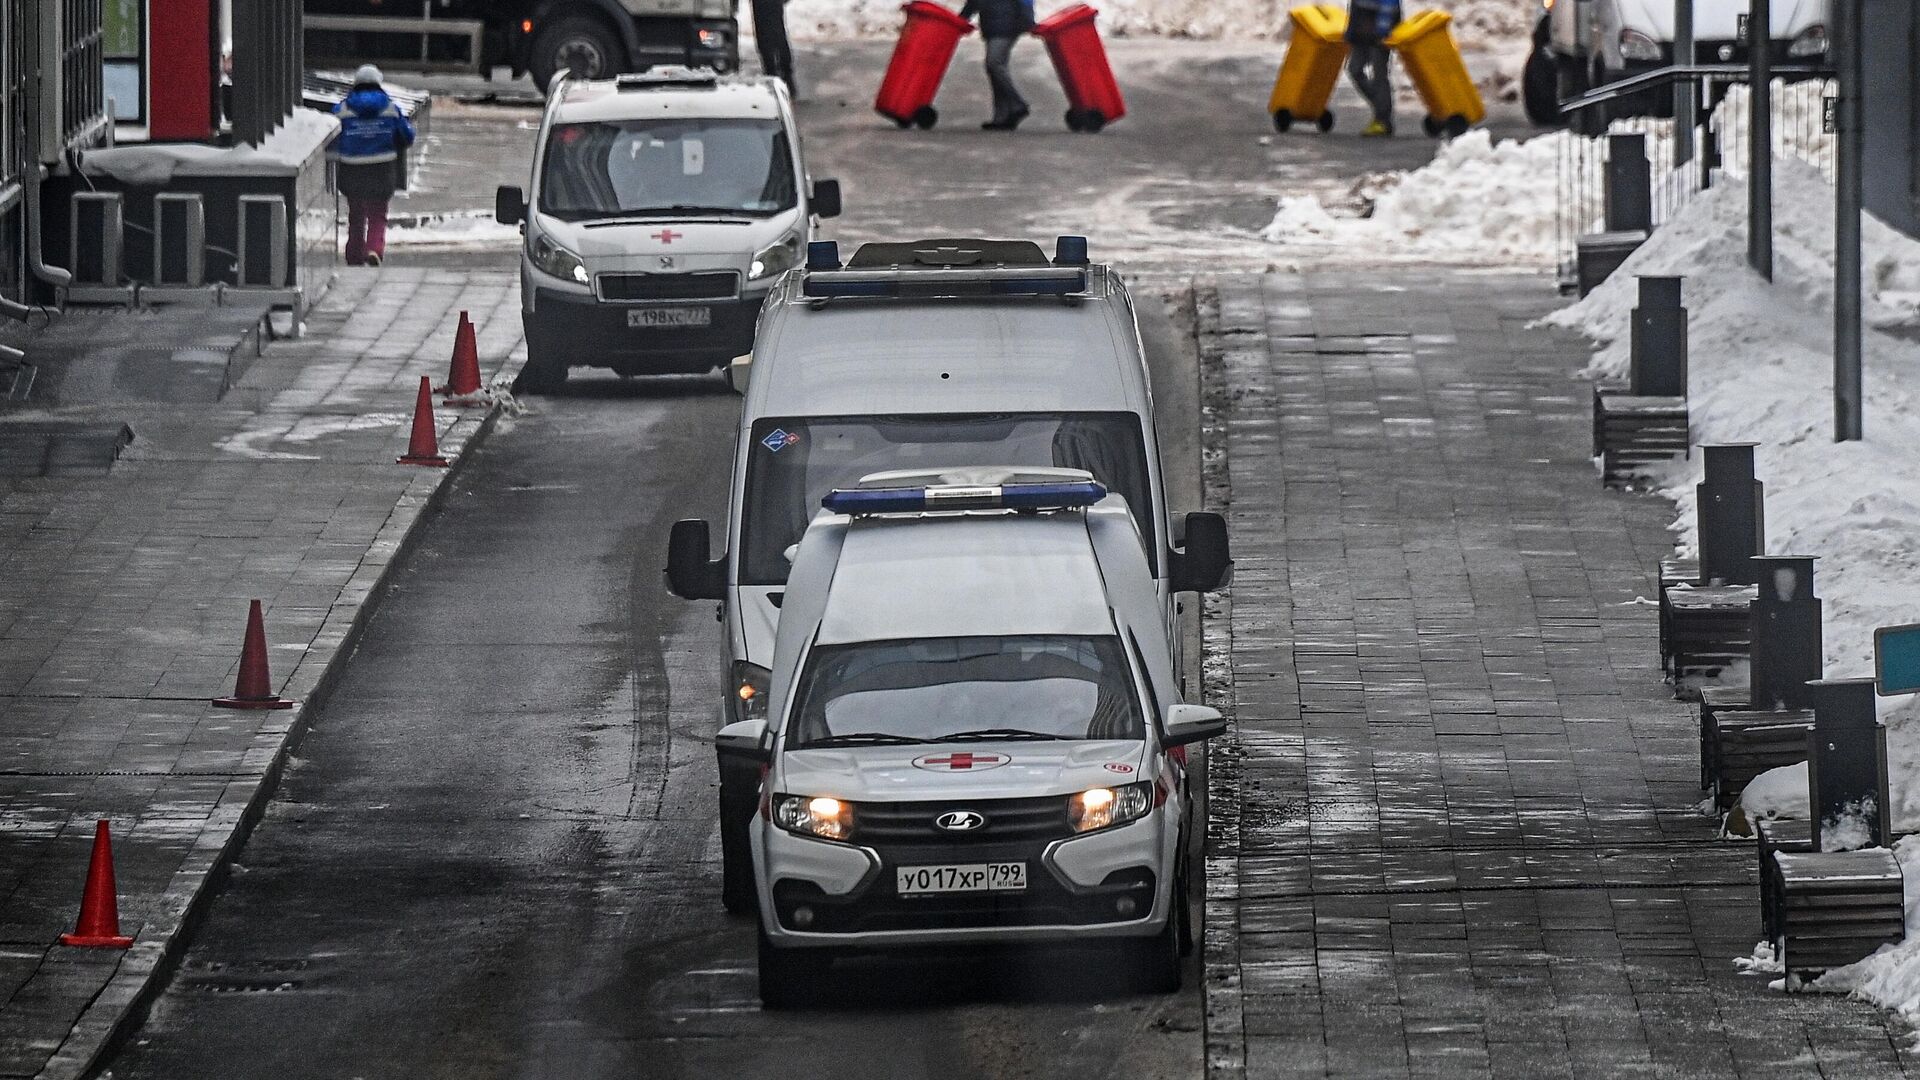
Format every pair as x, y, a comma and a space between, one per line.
366, 229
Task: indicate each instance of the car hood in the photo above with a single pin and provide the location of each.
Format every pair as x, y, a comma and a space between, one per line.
647, 241
1718, 20
974, 770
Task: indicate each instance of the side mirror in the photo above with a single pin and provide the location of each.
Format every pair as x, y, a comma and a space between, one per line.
509, 205
1204, 561
692, 572
744, 741
739, 369
826, 198
1193, 723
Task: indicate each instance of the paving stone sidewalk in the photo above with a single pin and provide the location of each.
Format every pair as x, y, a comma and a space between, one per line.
122, 600
1454, 836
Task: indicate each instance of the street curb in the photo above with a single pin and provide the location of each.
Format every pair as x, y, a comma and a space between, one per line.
1224, 1037
143, 973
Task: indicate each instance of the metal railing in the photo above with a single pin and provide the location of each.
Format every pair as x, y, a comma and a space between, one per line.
1634, 106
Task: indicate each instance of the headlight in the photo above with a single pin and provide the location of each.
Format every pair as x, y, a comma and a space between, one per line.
1635, 45
776, 259
1809, 42
1100, 808
813, 815
555, 260
749, 691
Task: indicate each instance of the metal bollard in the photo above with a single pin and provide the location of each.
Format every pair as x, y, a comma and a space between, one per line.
1659, 367
1629, 184
1731, 515
1787, 650
1847, 760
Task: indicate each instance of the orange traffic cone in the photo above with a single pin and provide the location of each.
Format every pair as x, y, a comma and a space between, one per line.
254, 688
99, 925
463, 379
424, 447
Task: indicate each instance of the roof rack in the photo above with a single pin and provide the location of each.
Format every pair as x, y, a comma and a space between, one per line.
1058, 495
668, 77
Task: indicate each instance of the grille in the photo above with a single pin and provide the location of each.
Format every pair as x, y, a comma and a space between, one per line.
1008, 821
714, 286
1045, 903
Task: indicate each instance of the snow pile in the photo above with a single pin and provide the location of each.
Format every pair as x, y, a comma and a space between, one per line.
1475, 21
1477, 200
1891, 976
1761, 371
451, 228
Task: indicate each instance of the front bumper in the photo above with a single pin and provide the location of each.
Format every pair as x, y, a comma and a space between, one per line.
583, 331
1115, 883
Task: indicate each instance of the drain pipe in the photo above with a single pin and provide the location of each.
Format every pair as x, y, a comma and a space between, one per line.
55, 276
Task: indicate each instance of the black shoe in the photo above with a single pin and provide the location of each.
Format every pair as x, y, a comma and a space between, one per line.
1014, 120
996, 125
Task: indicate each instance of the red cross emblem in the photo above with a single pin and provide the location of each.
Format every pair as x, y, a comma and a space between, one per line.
962, 761
668, 236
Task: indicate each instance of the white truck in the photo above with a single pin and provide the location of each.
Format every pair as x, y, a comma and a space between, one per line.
1579, 45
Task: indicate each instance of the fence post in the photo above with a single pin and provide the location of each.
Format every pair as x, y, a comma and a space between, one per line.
1787, 649
1685, 91
1848, 109
1659, 340
1847, 761
1760, 139
1731, 515
1629, 184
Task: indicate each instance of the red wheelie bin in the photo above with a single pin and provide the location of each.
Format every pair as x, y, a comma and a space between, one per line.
1093, 98
920, 59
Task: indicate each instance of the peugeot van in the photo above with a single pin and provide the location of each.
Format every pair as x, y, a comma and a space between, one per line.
925, 355
663, 207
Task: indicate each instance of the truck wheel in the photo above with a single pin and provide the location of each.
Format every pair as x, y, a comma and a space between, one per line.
789, 977
577, 43
1540, 89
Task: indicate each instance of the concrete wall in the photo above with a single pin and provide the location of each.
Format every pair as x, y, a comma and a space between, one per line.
1892, 151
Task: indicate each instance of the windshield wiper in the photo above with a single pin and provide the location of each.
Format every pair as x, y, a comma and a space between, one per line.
997, 734
861, 738
648, 213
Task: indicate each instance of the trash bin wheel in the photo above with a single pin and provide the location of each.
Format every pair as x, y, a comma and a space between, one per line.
1092, 120
1074, 122
926, 116
1431, 126
1325, 123
1456, 126
901, 124
1282, 119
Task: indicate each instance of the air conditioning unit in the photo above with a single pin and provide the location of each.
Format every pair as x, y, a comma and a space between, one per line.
263, 242
179, 239
96, 228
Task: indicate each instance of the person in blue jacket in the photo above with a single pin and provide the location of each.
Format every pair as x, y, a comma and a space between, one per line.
1369, 63
1001, 24
372, 134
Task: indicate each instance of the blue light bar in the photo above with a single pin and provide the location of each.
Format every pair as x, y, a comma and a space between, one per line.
1070, 251
916, 500
828, 282
823, 255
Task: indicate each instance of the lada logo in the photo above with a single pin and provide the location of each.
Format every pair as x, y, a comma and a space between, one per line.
959, 821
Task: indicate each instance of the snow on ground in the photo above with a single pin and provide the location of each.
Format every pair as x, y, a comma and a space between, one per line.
473, 229
1761, 371
1475, 21
1477, 201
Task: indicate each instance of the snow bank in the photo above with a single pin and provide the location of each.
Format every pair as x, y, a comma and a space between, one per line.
1475, 21
1476, 201
1761, 371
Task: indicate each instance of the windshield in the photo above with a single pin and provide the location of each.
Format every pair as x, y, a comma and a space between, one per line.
618, 168
793, 463
961, 689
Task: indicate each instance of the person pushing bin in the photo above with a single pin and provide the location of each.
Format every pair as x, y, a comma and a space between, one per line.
1001, 24
1369, 64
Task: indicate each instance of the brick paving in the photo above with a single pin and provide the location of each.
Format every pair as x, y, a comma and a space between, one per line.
122, 599
1455, 834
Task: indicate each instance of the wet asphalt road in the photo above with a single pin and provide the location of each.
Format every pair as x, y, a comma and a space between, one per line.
495, 854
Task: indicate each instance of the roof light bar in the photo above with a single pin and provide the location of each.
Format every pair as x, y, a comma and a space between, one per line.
983, 281
860, 502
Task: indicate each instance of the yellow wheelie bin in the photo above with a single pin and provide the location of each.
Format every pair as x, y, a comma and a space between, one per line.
1426, 46
1311, 67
